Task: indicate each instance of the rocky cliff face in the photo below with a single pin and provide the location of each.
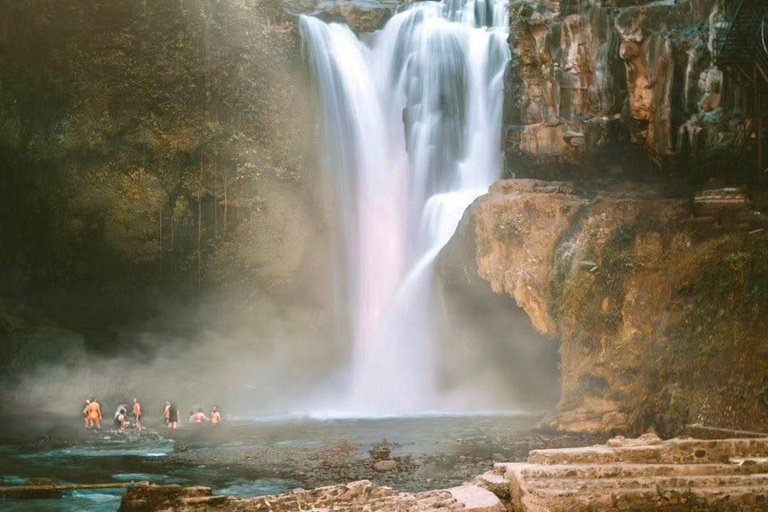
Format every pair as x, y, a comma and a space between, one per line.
157, 159
659, 307
589, 78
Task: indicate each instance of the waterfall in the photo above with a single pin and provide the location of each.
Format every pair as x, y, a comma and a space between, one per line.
411, 120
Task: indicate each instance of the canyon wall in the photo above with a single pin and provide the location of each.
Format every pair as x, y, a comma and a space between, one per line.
660, 307
622, 88
657, 305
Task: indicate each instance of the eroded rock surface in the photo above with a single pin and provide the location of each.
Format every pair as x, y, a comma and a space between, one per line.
617, 74
660, 307
362, 496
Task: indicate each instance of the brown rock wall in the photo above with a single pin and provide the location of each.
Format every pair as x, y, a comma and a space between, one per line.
656, 308
643, 70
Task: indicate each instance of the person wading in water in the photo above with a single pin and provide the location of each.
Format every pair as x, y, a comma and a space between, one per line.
198, 416
171, 415
85, 414
136, 412
93, 413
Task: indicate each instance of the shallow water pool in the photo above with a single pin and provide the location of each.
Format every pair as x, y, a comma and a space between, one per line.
119, 458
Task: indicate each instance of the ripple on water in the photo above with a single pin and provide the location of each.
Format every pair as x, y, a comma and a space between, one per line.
91, 501
254, 488
149, 477
12, 480
149, 449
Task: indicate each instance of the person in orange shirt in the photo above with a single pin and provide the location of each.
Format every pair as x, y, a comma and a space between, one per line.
93, 413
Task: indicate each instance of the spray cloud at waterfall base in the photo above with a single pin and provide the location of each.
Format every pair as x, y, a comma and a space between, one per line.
411, 120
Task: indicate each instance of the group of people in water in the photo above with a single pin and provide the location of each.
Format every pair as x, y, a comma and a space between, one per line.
171, 415
122, 419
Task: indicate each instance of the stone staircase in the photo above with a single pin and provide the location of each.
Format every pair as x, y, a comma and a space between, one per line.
744, 42
726, 209
641, 474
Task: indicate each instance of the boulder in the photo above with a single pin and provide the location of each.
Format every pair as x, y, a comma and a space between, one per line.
385, 466
360, 15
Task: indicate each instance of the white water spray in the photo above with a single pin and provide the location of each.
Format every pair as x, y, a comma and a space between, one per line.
412, 126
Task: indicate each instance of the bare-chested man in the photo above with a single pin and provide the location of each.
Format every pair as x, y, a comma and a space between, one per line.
136, 413
93, 414
215, 416
85, 414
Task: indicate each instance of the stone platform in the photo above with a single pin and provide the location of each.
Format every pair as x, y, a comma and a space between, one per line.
638, 474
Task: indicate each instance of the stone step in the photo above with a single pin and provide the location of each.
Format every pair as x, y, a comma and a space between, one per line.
476, 499
750, 461
651, 482
676, 451
539, 472
495, 482
720, 499
641, 474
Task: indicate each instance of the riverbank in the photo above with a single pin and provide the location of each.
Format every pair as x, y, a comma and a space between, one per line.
256, 458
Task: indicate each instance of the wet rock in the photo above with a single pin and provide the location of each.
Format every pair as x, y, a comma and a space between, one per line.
360, 15
149, 498
361, 495
380, 451
384, 466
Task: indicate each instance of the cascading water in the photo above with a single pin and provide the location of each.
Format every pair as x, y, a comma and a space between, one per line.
411, 123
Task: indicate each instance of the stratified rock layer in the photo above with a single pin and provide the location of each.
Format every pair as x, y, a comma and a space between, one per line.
660, 305
591, 75
642, 474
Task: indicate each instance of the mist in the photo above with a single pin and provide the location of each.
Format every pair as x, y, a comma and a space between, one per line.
194, 256
254, 360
